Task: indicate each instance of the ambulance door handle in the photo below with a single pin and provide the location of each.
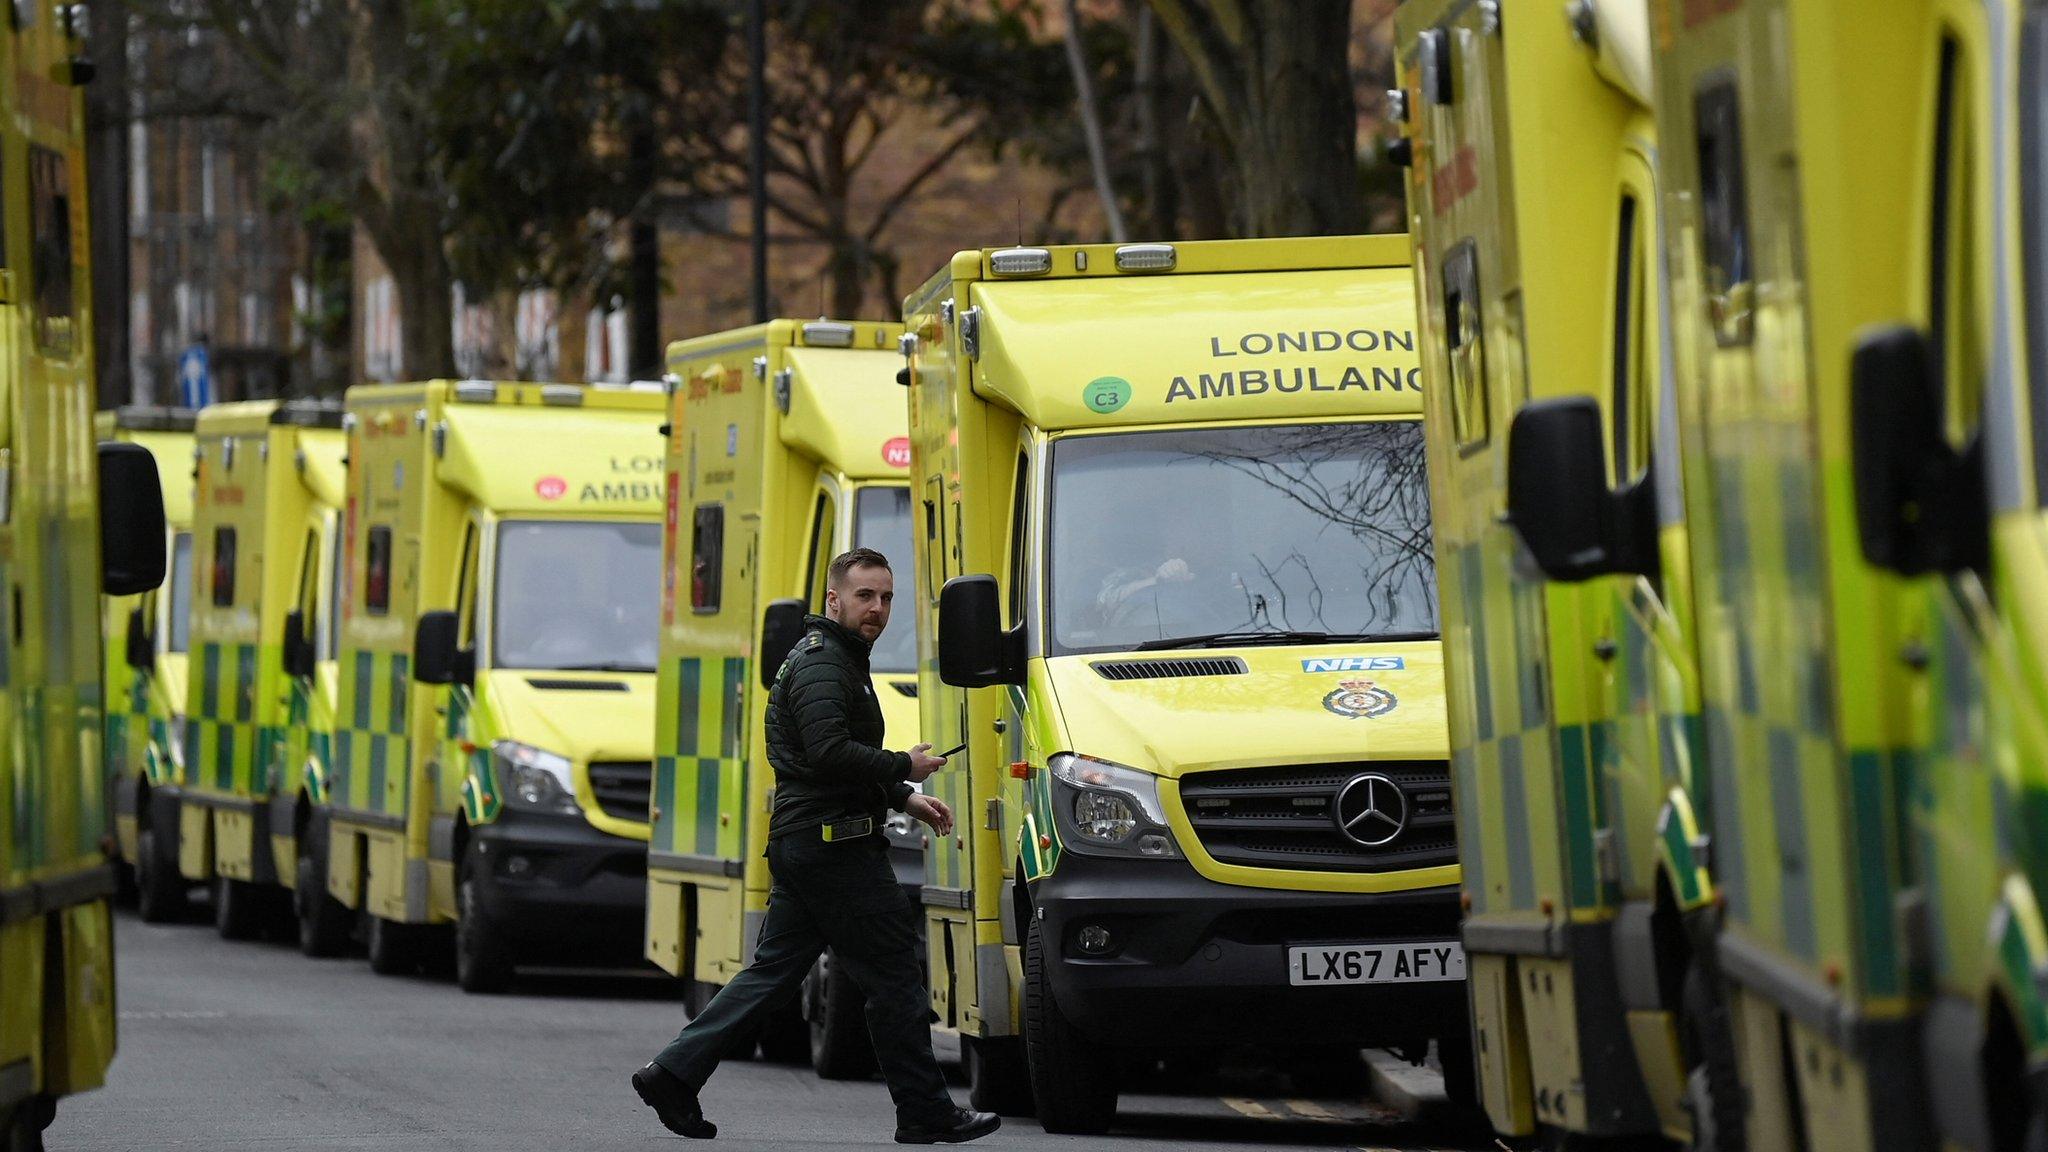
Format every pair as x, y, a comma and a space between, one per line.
1002, 725
1604, 648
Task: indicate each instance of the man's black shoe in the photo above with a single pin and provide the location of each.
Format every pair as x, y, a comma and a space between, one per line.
958, 1128
673, 1102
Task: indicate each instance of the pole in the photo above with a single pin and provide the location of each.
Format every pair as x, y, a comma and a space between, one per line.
757, 151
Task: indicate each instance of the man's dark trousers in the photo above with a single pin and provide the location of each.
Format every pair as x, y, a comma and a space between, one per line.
842, 894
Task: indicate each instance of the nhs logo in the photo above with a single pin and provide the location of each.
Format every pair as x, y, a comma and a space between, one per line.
1354, 664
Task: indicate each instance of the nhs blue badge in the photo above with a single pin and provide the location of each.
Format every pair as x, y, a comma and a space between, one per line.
1353, 664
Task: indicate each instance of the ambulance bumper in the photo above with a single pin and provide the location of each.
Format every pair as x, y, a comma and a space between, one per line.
559, 889
1195, 962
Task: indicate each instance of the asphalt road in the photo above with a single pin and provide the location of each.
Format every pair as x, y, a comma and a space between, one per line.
230, 1046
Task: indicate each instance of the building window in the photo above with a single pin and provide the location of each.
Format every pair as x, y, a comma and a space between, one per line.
1724, 208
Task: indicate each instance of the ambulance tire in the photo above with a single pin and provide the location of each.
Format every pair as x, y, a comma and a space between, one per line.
1461, 1074
835, 1010
24, 1128
483, 961
1713, 1079
160, 892
393, 948
323, 920
237, 909
997, 1079
1073, 1080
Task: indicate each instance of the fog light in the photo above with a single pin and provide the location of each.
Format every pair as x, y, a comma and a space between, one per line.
1154, 844
1094, 940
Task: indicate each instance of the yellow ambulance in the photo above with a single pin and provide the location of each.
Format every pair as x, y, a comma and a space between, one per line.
786, 447
1176, 595
71, 530
145, 671
1574, 706
492, 745
267, 493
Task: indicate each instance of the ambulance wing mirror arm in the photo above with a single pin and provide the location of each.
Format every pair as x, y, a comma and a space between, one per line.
1920, 502
782, 625
131, 520
141, 646
974, 649
298, 646
1574, 525
437, 657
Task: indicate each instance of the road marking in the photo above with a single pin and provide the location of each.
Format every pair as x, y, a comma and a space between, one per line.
142, 1015
1313, 1111
1251, 1108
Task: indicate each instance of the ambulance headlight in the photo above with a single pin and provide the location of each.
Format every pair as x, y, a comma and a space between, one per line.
535, 780
1107, 809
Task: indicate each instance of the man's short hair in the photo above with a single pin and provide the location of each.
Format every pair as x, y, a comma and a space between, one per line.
858, 558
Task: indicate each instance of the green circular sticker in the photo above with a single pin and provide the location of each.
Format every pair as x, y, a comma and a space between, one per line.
1106, 394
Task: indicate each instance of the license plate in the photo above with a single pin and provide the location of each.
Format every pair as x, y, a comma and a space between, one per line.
1421, 962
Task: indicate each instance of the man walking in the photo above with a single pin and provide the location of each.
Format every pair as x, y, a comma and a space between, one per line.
833, 885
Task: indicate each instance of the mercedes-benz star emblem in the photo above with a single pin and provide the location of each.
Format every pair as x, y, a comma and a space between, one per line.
1371, 810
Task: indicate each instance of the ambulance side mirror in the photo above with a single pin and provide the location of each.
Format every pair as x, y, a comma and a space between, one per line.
298, 645
974, 650
782, 625
1920, 502
436, 656
140, 650
1558, 499
131, 520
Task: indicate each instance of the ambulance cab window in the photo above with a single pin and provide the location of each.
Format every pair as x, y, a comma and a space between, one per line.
377, 571
2033, 79
1631, 422
1465, 350
707, 557
824, 517
1724, 208
329, 632
1955, 309
1020, 513
307, 599
223, 575
180, 598
881, 520
51, 208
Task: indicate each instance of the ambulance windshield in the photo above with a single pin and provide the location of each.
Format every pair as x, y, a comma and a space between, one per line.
881, 520
577, 595
1217, 537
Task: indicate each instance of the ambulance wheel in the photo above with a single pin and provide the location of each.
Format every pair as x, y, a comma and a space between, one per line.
1713, 1080
23, 1127
160, 896
1461, 1074
833, 1003
393, 948
323, 920
1073, 1081
483, 963
997, 1080
237, 909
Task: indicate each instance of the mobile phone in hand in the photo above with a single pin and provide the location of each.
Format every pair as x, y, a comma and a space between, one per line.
953, 751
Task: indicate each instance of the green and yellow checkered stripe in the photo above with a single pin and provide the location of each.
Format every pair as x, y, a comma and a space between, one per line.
700, 739
371, 768
221, 734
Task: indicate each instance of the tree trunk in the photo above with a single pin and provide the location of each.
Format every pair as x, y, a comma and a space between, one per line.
643, 327
1091, 127
106, 142
1276, 79
426, 304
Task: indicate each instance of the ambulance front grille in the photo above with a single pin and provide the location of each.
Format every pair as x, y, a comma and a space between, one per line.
622, 787
1287, 817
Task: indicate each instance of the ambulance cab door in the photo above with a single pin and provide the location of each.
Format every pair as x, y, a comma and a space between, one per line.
1642, 654
463, 747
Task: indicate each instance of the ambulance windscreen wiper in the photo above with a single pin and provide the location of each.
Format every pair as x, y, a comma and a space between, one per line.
1244, 638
